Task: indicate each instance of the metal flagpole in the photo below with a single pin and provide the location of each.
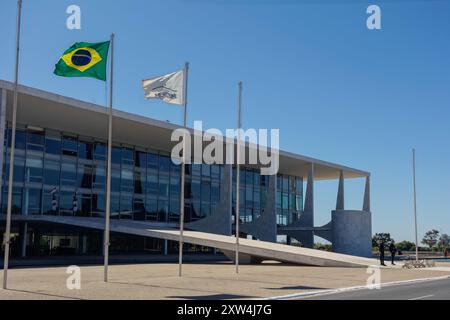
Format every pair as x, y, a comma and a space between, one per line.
415, 205
238, 175
183, 169
108, 181
7, 238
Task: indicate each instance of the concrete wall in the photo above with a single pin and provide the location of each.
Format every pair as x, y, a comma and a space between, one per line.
352, 232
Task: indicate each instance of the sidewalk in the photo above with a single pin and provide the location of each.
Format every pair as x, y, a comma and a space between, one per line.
200, 281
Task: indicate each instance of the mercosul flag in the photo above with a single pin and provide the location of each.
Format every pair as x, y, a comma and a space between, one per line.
169, 88
84, 59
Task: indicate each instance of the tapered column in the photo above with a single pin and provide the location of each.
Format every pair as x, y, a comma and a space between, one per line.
309, 198
340, 203
366, 206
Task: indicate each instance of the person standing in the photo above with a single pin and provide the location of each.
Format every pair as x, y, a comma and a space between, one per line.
382, 249
393, 251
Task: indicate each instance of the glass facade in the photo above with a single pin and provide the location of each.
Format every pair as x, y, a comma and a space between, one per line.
289, 199
64, 174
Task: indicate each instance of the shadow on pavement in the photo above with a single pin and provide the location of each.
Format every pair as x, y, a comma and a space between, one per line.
212, 297
298, 288
44, 294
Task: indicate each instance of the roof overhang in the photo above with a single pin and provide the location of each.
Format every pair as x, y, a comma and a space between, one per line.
52, 111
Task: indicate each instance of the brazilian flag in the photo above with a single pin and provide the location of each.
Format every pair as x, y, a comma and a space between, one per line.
84, 59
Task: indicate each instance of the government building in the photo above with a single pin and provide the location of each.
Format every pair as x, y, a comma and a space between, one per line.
60, 182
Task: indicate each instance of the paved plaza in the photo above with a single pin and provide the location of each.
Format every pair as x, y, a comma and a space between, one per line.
200, 281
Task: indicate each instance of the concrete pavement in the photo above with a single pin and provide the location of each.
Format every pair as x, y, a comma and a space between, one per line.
200, 281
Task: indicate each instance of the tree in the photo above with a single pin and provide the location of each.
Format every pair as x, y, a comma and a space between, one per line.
444, 241
381, 237
431, 238
323, 247
406, 246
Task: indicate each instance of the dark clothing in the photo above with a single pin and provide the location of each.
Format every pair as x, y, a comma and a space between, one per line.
382, 249
393, 251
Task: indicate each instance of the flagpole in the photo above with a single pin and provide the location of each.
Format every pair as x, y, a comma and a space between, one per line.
7, 239
108, 181
183, 169
238, 175
415, 205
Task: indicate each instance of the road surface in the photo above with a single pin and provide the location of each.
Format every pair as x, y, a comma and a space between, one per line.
430, 290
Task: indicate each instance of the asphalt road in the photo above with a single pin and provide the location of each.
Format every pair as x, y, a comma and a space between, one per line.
430, 290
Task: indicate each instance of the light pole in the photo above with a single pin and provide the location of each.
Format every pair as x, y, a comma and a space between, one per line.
415, 205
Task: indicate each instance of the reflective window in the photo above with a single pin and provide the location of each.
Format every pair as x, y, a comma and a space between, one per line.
100, 151
98, 205
164, 164
70, 146
84, 205
138, 209
127, 156
126, 207
85, 176
86, 150
50, 203
163, 186
140, 160
127, 184
19, 169
139, 182
151, 207
53, 145
20, 139
68, 173
66, 203
99, 177
116, 155
34, 167
115, 179
163, 208
35, 140
52, 173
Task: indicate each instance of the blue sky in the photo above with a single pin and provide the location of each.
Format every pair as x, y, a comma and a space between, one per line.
337, 91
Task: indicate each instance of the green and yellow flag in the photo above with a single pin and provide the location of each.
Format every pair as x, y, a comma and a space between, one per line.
84, 60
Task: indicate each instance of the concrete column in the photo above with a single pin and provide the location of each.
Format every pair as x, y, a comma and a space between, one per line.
309, 198
166, 247
84, 239
340, 203
366, 206
24, 238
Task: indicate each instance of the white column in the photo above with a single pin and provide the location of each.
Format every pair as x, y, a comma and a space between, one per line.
2, 125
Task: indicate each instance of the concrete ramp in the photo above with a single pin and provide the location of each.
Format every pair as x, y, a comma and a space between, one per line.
251, 248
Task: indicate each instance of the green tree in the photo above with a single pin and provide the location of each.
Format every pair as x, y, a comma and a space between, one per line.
444, 241
323, 247
381, 237
406, 246
431, 238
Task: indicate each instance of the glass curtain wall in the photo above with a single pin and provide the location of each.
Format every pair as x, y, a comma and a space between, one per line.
64, 174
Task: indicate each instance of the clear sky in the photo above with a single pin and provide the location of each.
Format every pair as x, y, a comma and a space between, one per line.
336, 90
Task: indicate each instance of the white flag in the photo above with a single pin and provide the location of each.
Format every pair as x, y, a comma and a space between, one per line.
169, 88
